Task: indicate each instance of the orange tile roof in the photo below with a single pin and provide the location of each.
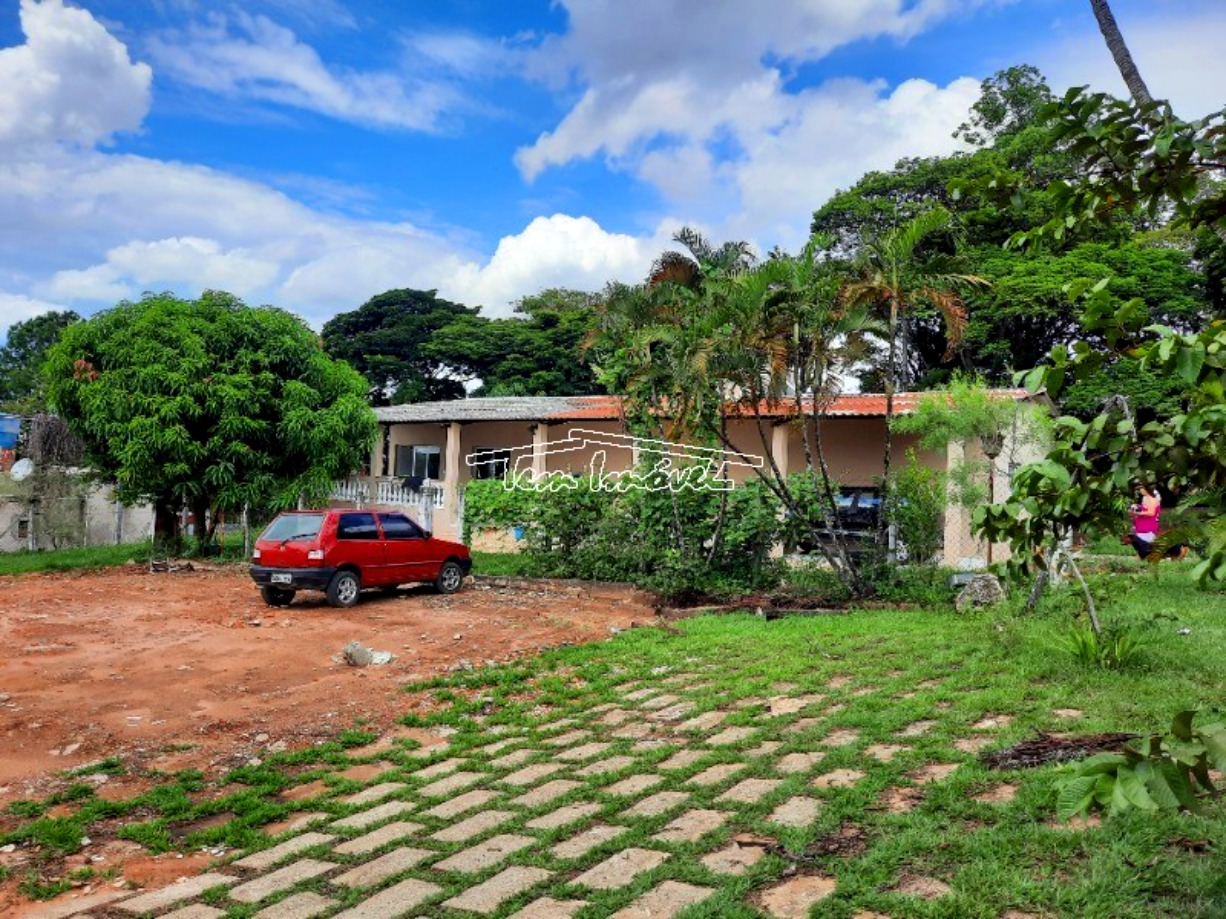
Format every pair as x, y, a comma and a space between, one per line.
609, 408
850, 405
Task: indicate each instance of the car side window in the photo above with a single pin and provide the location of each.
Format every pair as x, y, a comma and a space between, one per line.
398, 526
357, 526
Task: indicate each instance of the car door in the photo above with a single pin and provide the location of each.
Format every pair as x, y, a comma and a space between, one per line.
358, 543
406, 549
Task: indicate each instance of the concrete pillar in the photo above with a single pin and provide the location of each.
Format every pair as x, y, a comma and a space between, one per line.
540, 444
451, 471
779, 446
956, 530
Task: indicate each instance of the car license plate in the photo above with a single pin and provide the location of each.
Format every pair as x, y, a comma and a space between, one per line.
281, 577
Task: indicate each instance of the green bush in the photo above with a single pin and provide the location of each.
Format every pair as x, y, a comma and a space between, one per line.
679, 543
488, 503
917, 508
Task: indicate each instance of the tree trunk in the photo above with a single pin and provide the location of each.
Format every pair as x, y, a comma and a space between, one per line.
891, 382
166, 536
1119, 51
200, 529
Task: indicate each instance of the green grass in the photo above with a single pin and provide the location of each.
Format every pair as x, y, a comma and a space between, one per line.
895, 668
26, 562
504, 564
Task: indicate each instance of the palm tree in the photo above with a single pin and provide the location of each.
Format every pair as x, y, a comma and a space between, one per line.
894, 278
1119, 51
712, 336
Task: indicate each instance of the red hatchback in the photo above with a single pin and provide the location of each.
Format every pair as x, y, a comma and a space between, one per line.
343, 551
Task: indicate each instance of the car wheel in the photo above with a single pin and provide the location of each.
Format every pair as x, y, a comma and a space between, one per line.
277, 596
343, 589
450, 577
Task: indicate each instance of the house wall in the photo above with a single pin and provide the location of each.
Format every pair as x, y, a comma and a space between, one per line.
579, 459
853, 448
99, 519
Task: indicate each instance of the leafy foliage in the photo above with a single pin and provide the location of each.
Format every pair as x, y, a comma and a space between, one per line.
676, 542
208, 403
534, 353
385, 340
1078, 484
777, 335
21, 360
488, 503
1159, 772
1112, 649
1135, 158
917, 508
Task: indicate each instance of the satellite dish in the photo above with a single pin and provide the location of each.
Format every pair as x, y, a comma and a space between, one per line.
22, 469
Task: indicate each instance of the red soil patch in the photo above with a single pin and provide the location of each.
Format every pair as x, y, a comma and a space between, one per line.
191, 669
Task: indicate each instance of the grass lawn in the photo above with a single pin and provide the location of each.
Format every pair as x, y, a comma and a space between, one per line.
506, 564
26, 562
868, 725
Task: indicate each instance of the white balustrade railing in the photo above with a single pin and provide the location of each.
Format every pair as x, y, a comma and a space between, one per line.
388, 491
355, 491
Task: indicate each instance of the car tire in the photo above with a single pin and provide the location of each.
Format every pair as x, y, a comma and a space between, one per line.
343, 589
277, 596
450, 577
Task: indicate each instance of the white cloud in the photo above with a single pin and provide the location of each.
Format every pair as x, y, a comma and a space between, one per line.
192, 260
836, 133
556, 251
71, 81
669, 69
15, 308
248, 57
700, 106
1176, 47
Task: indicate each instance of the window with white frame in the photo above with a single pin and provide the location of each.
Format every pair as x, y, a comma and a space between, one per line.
424, 462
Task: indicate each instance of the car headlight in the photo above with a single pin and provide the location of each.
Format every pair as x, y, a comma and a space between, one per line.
315, 555
255, 553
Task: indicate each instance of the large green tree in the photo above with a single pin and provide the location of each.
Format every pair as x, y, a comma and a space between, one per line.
536, 352
1012, 180
895, 276
386, 340
710, 337
208, 404
21, 360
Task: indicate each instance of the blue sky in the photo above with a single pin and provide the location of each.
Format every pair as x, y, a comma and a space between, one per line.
311, 153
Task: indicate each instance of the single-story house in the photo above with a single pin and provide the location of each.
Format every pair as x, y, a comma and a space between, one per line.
427, 452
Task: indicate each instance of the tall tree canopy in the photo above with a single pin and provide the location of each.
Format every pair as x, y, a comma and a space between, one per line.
208, 403
534, 353
413, 346
385, 340
21, 360
1025, 311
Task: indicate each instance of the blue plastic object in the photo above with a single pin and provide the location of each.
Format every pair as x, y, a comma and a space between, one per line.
10, 427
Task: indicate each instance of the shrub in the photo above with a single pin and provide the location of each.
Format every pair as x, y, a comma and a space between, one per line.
917, 509
677, 542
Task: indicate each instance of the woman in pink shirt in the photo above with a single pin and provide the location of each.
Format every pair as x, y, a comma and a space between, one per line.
1146, 514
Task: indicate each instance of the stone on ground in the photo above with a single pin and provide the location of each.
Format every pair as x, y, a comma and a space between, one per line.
794, 898
665, 901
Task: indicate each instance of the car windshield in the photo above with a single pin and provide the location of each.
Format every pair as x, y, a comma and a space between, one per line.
289, 527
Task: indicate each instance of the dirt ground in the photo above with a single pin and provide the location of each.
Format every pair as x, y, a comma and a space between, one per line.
191, 669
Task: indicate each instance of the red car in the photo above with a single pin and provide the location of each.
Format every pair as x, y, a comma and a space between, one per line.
343, 551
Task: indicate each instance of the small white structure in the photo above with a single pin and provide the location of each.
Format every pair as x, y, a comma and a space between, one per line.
90, 518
